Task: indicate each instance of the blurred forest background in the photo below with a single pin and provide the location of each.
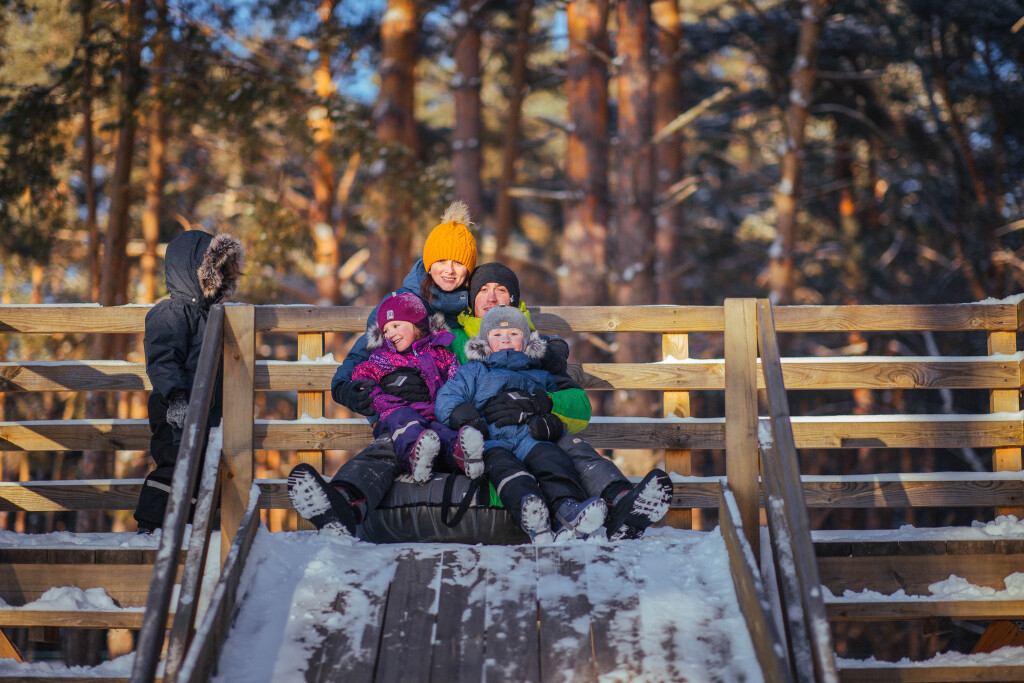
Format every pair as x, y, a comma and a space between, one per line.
628, 152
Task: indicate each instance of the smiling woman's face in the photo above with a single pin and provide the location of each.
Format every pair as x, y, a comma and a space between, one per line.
490, 295
448, 275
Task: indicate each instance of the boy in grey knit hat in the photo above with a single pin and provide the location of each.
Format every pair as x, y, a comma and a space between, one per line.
521, 460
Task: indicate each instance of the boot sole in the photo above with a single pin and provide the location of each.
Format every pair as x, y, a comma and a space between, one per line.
646, 504
318, 502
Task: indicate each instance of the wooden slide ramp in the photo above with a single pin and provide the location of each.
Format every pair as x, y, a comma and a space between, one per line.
656, 609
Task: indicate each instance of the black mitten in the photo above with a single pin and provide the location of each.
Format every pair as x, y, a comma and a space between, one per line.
509, 408
556, 357
467, 414
541, 403
407, 384
177, 408
545, 427
355, 395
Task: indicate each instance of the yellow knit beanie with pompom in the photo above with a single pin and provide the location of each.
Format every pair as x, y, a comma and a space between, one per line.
451, 239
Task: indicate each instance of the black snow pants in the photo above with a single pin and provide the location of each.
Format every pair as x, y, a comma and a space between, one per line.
547, 472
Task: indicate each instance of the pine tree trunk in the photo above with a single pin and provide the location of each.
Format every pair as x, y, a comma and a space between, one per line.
634, 232
584, 247
803, 77
157, 156
468, 134
672, 257
88, 155
322, 208
395, 126
510, 151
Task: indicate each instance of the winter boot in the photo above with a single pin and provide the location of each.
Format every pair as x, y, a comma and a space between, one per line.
469, 451
584, 518
535, 520
421, 459
639, 507
317, 501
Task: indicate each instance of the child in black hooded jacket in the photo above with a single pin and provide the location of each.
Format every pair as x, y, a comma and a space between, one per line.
200, 270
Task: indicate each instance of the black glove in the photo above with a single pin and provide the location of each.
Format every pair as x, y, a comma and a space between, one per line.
545, 427
355, 395
177, 408
467, 414
513, 407
407, 384
556, 357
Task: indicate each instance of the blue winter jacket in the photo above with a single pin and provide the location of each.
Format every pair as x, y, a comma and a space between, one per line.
487, 374
448, 303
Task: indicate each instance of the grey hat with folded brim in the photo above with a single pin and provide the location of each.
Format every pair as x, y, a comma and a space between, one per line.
504, 316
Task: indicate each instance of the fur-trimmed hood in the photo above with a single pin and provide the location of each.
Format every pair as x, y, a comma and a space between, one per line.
375, 337
478, 348
203, 269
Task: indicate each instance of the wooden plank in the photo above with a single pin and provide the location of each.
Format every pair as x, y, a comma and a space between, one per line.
840, 431
741, 467
201, 656
405, 642
769, 644
128, 585
311, 404
787, 516
339, 657
917, 672
236, 456
566, 653
889, 574
677, 404
96, 375
937, 317
57, 319
558, 319
21, 618
902, 610
458, 652
615, 621
676, 319
511, 619
1006, 401
58, 496
983, 372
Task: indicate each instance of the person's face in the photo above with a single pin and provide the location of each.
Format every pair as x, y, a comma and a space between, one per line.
402, 333
448, 275
505, 338
490, 295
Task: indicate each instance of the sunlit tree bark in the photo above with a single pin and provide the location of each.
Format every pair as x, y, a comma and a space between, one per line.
671, 257
803, 77
322, 208
584, 248
157, 155
467, 137
395, 126
504, 213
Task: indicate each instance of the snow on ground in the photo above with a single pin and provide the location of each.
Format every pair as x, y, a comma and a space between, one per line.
685, 578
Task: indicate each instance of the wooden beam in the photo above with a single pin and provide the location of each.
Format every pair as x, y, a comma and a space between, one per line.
57, 319
914, 574
677, 404
919, 672
769, 645
787, 516
905, 610
741, 467
21, 618
1006, 459
236, 457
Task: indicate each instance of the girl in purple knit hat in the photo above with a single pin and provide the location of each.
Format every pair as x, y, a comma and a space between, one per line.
406, 339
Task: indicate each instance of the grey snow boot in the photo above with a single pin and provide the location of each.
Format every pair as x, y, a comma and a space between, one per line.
317, 501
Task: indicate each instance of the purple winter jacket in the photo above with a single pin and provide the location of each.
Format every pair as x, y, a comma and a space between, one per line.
436, 364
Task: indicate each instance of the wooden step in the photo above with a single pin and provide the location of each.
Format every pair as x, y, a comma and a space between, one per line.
902, 610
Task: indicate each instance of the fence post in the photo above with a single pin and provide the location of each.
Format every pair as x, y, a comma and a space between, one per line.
741, 454
311, 403
236, 459
1008, 401
677, 404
